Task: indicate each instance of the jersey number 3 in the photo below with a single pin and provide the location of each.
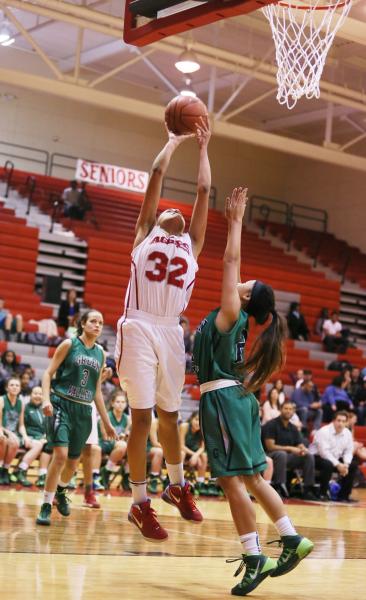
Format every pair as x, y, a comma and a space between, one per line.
162, 268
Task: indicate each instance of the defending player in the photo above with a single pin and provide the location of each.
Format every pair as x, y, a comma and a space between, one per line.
67, 402
229, 412
150, 354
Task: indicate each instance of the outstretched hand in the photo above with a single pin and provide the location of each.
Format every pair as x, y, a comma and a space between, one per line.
235, 204
203, 132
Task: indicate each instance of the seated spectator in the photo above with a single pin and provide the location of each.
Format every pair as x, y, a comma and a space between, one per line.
359, 402
70, 197
9, 323
359, 450
68, 310
188, 342
155, 458
298, 376
12, 420
307, 375
323, 316
333, 450
296, 322
278, 384
286, 447
25, 388
35, 425
116, 450
271, 407
308, 406
193, 449
335, 338
9, 367
335, 398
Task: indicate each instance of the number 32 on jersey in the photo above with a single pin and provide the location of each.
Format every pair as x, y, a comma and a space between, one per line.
173, 270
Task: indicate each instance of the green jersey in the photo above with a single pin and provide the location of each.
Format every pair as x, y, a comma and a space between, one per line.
34, 421
76, 378
120, 426
11, 413
218, 355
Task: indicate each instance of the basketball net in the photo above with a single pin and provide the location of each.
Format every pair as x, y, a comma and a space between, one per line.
302, 37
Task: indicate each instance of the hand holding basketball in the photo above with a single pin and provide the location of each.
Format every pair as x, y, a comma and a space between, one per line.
235, 204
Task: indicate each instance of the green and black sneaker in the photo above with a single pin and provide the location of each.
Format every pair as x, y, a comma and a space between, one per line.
21, 476
62, 501
257, 568
44, 517
295, 548
41, 481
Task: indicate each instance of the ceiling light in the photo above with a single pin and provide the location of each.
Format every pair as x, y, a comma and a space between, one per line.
8, 42
187, 89
5, 32
187, 62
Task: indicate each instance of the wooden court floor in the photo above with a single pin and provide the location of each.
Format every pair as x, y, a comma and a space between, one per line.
98, 555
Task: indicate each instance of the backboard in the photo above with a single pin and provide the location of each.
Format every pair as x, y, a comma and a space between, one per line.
147, 21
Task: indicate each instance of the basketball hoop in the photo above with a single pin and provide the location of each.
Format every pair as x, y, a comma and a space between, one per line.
302, 36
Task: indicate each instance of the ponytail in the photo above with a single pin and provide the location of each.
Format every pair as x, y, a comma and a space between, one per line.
268, 353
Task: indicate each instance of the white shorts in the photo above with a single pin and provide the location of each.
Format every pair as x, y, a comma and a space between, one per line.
150, 360
93, 437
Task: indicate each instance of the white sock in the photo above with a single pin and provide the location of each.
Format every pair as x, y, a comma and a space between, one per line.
6, 466
154, 474
176, 474
23, 466
63, 484
42, 472
96, 472
200, 480
139, 492
284, 526
250, 543
1, 464
111, 466
48, 497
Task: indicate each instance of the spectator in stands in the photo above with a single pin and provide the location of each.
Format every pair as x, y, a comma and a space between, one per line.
308, 405
33, 441
359, 401
355, 382
25, 388
308, 376
188, 342
333, 449
335, 398
84, 204
299, 375
323, 316
12, 427
271, 407
278, 384
334, 336
116, 450
9, 367
68, 310
193, 449
9, 323
359, 450
155, 458
286, 447
70, 197
296, 323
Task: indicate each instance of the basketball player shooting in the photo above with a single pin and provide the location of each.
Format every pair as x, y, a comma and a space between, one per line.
150, 354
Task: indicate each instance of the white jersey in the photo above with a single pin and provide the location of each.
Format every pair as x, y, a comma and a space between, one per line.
163, 271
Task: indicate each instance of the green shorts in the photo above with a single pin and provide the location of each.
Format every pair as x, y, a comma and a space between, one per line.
231, 429
70, 425
107, 446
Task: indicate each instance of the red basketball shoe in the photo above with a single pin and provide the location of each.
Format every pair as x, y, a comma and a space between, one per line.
183, 499
90, 500
144, 517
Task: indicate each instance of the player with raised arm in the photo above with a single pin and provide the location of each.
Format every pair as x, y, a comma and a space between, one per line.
229, 411
150, 354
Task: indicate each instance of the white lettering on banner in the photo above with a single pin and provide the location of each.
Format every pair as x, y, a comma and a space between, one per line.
110, 175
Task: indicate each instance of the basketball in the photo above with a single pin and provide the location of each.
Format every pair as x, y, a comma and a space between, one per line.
183, 113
